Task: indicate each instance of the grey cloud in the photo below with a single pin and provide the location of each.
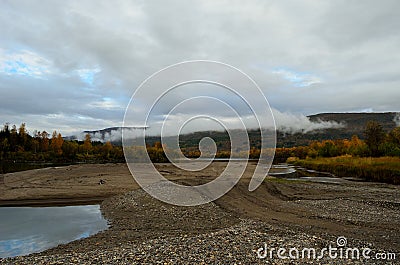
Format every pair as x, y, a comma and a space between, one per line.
352, 24
352, 46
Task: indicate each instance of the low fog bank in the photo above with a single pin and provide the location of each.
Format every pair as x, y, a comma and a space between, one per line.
287, 123
291, 123
397, 119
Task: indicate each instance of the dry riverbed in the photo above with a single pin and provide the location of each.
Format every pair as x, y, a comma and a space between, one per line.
280, 213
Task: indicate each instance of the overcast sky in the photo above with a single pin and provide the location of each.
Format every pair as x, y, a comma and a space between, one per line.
73, 65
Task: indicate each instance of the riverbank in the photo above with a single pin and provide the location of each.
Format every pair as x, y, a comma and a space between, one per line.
74, 184
379, 169
231, 229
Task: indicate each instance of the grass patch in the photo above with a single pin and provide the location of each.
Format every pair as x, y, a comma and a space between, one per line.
380, 169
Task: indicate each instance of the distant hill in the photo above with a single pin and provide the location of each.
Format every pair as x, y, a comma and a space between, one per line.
354, 124
357, 121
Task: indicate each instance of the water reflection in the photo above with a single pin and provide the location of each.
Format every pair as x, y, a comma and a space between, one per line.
24, 230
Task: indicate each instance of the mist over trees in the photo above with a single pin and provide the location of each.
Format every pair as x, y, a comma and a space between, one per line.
376, 143
18, 145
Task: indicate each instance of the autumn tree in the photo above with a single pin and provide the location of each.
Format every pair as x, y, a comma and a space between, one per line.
107, 148
44, 141
158, 145
13, 138
394, 136
4, 141
156, 153
254, 153
56, 143
35, 142
374, 137
4, 148
53, 141
357, 147
70, 149
22, 135
87, 144
328, 149
391, 146
60, 142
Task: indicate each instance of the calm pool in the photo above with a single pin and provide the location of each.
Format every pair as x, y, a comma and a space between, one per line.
25, 230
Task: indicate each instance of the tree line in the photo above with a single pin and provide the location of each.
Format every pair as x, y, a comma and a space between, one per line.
16, 144
377, 143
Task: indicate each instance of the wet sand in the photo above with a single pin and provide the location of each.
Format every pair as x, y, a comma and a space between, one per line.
75, 184
146, 230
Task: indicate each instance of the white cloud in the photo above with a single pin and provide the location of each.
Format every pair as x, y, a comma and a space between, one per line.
397, 119
295, 123
106, 103
87, 75
24, 62
298, 79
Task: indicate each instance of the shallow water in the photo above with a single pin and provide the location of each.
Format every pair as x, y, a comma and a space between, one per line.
25, 230
332, 180
289, 172
281, 170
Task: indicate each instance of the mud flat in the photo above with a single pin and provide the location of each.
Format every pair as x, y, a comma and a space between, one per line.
75, 184
280, 213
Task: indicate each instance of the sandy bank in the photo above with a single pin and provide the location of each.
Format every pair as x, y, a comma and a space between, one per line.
279, 213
